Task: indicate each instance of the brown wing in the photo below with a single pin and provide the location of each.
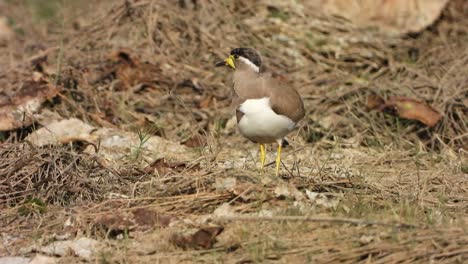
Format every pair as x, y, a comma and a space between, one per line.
285, 100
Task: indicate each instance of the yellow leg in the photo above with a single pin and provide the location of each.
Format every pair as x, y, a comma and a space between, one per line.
278, 159
262, 155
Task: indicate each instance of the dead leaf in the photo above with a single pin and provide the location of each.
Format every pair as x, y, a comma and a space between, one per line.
17, 111
132, 72
144, 217
162, 166
116, 222
374, 102
390, 16
412, 109
203, 238
61, 132
407, 108
206, 102
195, 141
140, 219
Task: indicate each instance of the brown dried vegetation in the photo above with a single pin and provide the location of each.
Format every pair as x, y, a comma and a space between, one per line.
357, 185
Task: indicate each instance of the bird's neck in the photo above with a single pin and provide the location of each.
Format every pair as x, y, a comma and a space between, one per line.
245, 64
243, 74
242, 79
244, 69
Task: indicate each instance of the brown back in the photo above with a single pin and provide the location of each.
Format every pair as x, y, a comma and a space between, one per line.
285, 100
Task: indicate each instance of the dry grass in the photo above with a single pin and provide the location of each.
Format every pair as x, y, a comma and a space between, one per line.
148, 66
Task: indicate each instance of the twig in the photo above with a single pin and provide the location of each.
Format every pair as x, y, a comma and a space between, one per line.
315, 219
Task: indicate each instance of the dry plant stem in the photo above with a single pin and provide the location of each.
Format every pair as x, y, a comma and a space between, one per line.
352, 221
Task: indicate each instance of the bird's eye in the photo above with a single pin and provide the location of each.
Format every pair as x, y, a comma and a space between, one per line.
236, 56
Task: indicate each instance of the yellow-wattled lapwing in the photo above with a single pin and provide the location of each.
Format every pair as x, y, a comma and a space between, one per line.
267, 110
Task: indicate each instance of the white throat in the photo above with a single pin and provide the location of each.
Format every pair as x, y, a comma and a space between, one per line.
249, 63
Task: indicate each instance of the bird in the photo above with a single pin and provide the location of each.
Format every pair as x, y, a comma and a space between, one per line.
266, 109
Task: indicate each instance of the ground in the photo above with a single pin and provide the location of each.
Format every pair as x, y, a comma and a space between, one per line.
145, 164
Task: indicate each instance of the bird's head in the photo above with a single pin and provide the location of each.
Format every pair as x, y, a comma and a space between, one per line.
242, 57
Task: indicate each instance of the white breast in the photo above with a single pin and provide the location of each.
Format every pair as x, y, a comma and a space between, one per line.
261, 124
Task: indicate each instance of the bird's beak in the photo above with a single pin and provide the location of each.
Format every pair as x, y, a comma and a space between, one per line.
229, 61
220, 64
